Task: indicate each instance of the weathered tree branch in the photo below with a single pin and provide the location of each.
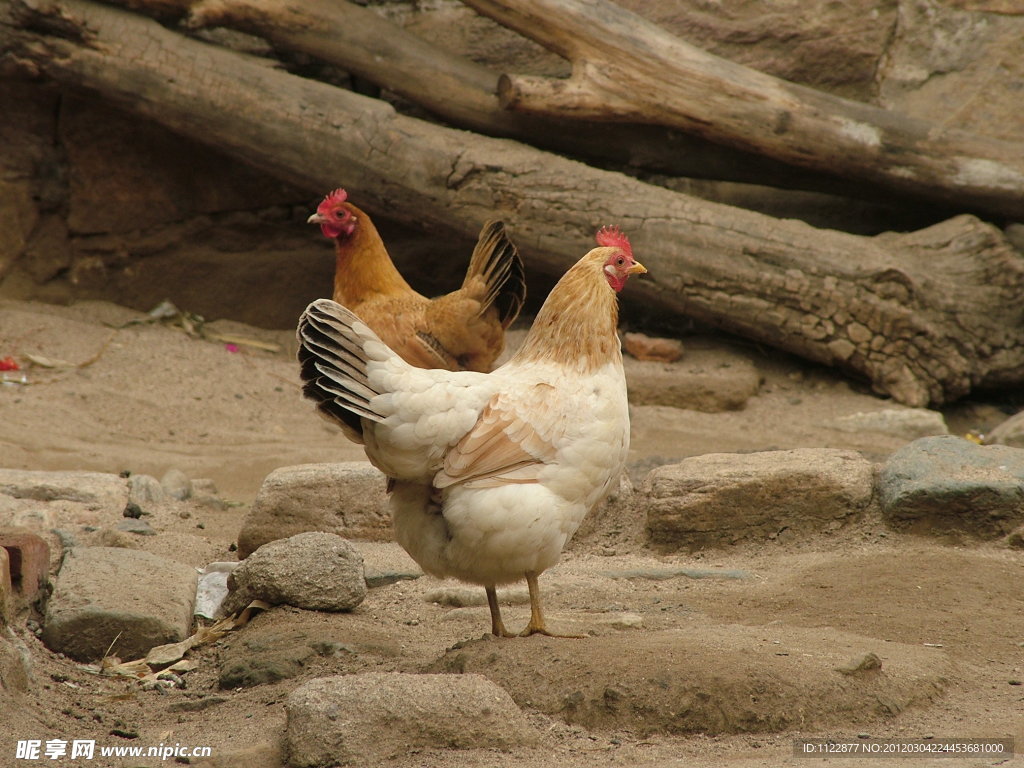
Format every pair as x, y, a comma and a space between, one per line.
924, 316
627, 68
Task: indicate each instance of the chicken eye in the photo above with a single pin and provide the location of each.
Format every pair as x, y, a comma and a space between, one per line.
620, 261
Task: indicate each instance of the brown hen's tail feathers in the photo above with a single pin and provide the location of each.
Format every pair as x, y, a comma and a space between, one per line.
496, 260
333, 360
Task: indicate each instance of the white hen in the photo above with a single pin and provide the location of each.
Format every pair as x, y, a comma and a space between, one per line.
490, 474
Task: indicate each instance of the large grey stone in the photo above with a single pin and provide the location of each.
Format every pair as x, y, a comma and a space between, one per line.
313, 570
722, 498
123, 600
367, 718
949, 485
347, 498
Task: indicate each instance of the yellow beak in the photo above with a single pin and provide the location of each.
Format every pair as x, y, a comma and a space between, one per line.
636, 269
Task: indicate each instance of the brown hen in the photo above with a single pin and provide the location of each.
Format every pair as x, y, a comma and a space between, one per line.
462, 330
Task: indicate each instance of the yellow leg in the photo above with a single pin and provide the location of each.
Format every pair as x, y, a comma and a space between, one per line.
536, 625
497, 626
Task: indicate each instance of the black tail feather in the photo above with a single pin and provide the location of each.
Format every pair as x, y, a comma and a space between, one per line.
332, 365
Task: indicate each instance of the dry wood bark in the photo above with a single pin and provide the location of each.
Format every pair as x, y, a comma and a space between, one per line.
627, 68
464, 93
925, 316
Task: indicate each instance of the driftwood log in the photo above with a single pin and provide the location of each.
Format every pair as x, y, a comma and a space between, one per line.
627, 68
924, 316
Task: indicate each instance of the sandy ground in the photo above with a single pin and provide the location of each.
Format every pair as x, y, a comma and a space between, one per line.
146, 397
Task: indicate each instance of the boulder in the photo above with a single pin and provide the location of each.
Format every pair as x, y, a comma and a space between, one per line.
722, 498
948, 485
348, 499
119, 600
364, 719
312, 570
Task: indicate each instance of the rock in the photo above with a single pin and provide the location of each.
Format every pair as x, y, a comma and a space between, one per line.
347, 499
99, 490
28, 558
368, 718
709, 380
650, 349
124, 600
721, 498
1016, 538
96, 491
707, 678
176, 484
313, 570
1009, 432
138, 527
910, 423
145, 489
947, 485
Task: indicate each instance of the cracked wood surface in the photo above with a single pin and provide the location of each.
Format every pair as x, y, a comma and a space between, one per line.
925, 316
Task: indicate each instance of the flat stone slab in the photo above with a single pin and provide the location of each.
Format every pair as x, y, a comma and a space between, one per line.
722, 498
124, 600
42, 501
364, 719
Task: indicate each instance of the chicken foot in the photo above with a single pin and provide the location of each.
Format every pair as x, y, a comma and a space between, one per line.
536, 625
497, 625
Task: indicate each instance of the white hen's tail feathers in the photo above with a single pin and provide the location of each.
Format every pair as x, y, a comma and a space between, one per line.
333, 358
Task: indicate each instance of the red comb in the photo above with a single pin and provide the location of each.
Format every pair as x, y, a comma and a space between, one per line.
614, 237
337, 196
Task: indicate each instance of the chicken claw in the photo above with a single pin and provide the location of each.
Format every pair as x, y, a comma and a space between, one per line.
536, 625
